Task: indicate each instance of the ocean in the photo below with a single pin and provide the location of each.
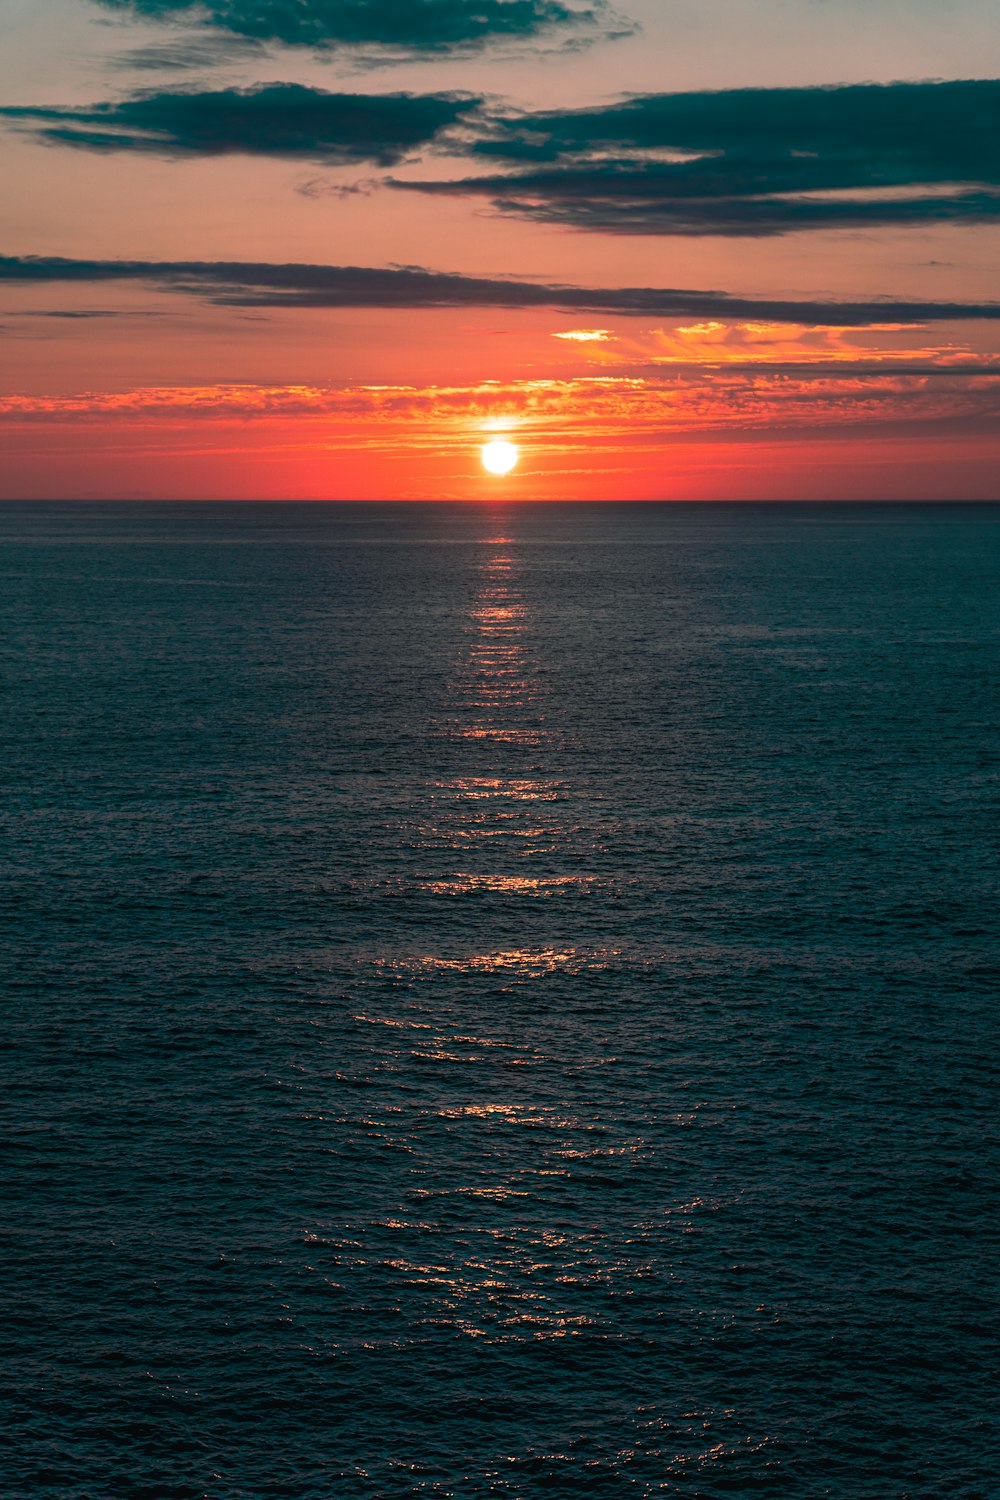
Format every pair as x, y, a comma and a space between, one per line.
500, 1001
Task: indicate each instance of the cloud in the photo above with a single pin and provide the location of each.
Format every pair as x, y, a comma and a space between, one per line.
880, 133
77, 314
885, 349
750, 162
409, 26
186, 54
242, 284
618, 203
283, 120
626, 413
586, 336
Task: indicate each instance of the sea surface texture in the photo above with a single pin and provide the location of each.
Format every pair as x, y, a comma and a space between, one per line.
500, 1002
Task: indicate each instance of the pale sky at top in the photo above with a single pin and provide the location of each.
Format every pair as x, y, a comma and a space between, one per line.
70, 52
58, 51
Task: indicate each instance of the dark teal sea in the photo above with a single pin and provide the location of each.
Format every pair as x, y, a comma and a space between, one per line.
499, 1002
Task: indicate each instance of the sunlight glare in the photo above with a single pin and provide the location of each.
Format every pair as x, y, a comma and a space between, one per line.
499, 457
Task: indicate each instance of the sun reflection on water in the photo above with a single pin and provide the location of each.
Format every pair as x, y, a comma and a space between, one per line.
476, 1100
526, 961
476, 787
525, 885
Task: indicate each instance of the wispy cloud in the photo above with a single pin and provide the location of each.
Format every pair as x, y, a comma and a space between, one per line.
242, 284
184, 54
81, 314
758, 345
619, 410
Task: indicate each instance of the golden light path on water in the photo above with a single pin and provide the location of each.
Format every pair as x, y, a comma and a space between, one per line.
518, 1283
494, 1071
493, 704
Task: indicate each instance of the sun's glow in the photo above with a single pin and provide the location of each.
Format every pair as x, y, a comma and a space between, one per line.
499, 457
587, 335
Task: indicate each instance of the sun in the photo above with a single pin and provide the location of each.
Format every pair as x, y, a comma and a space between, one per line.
499, 457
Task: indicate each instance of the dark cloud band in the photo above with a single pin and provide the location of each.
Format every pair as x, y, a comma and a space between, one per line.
421, 26
283, 120
250, 284
614, 210
891, 132
751, 161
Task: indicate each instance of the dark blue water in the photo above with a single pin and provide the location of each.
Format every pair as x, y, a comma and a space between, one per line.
502, 1001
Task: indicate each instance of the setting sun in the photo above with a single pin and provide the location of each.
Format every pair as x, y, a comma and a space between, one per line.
499, 457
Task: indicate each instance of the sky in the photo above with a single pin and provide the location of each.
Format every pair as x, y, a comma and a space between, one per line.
670, 249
